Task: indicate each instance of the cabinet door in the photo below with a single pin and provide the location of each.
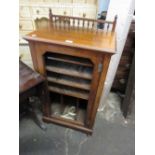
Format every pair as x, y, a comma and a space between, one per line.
40, 10
65, 11
25, 55
78, 12
89, 12
25, 25
55, 10
24, 12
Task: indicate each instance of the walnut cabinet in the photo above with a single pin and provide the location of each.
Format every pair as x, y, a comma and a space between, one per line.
74, 61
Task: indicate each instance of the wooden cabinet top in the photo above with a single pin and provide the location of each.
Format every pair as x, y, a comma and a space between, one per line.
76, 37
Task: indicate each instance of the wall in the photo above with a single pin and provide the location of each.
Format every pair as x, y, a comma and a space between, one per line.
124, 9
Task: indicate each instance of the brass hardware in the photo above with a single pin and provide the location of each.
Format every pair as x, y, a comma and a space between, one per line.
84, 15
100, 66
38, 11
20, 26
65, 13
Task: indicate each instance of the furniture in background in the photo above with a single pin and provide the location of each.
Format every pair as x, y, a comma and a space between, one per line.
41, 23
30, 84
124, 81
73, 55
30, 10
102, 16
122, 74
128, 104
24, 54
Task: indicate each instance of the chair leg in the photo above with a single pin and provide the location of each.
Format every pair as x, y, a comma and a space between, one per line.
45, 99
23, 108
38, 120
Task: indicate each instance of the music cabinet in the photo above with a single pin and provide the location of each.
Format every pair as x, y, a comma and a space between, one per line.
73, 55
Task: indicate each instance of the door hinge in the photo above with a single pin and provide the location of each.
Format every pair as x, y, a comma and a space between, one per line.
100, 66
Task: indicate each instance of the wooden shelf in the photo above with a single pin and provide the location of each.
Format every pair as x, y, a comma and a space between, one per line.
69, 71
73, 49
69, 91
70, 59
69, 82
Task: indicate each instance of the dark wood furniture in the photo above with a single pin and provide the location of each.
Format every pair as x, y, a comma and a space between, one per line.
124, 81
30, 84
74, 57
129, 99
122, 74
128, 103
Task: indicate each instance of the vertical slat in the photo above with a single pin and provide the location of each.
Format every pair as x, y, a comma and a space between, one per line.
73, 22
107, 27
93, 24
88, 24
62, 103
53, 19
67, 21
114, 24
83, 23
77, 108
59, 19
50, 17
96, 27
78, 23
64, 20
55, 22
70, 22
84, 15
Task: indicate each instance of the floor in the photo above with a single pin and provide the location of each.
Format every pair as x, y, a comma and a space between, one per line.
113, 135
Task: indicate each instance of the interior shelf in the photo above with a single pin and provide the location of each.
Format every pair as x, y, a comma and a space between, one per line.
70, 59
69, 65
68, 91
68, 81
69, 70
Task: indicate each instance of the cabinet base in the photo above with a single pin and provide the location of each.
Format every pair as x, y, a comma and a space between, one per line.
67, 124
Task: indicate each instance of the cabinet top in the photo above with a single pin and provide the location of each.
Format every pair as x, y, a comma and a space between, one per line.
76, 37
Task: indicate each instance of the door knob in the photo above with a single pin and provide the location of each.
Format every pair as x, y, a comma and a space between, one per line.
38, 11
